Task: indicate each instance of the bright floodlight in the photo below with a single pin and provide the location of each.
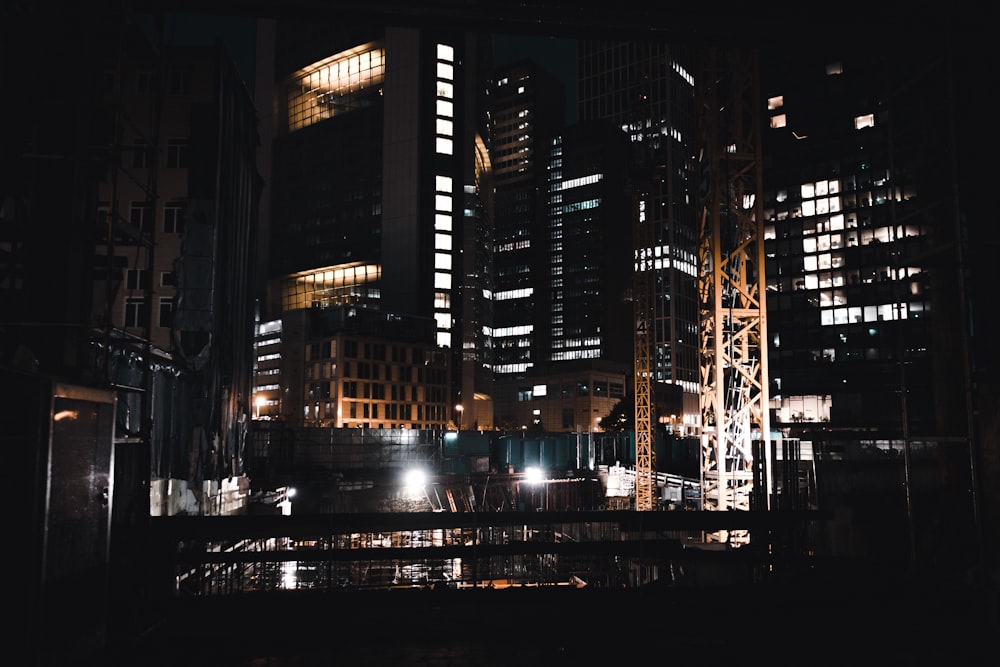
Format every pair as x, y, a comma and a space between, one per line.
414, 478
532, 475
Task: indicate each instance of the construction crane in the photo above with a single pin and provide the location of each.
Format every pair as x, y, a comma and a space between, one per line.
642, 240
731, 289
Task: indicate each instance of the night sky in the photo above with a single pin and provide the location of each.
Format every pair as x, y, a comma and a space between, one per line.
557, 55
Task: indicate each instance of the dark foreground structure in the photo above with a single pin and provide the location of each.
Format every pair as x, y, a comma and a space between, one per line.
832, 618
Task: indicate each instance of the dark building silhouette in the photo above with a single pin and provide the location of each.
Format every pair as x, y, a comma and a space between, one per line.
128, 236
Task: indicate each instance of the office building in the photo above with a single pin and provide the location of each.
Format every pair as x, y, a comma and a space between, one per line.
380, 195
563, 264
647, 89
867, 305
864, 299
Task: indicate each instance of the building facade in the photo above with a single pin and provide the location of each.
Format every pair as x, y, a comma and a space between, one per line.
864, 299
564, 265
380, 161
647, 90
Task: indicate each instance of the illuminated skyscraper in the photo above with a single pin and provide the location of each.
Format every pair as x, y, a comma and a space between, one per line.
563, 258
380, 197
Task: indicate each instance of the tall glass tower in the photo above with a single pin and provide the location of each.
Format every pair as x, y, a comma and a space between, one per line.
647, 89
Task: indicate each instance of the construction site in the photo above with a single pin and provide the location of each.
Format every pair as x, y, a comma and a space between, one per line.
173, 528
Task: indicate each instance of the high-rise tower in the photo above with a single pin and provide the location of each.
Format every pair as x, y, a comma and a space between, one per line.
647, 90
380, 194
562, 262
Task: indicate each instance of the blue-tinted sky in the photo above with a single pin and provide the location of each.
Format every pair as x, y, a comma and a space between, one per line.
238, 33
556, 55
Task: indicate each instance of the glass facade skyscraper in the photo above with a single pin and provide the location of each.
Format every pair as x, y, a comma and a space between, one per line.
647, 90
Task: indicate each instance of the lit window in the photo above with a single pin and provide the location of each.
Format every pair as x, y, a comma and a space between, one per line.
778, 121
442, 184
442, 280
834, 68
445, 52
442, 202
444, 127
445, 109
775, 102
442, 261
445, 71
444, 146
442, 222
445, 90
861, 122
442, 242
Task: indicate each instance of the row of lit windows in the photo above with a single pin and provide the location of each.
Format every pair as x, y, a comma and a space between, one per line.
331, 285
824, 187
569, 355
334, 85
444, 257
514, 294
522, 330
512, 368
556, 185
357, 410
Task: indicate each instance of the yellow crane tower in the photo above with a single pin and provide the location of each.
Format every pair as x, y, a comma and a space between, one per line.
642, 242
732, 287
731, 293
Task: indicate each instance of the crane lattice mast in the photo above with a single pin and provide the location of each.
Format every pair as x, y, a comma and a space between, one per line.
732, 308
642, 304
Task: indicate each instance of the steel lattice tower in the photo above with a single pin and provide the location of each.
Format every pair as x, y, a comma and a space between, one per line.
732, 309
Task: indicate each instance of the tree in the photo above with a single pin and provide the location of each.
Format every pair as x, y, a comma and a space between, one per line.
619, 418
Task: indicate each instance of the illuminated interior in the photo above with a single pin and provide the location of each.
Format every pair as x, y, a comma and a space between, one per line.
332, 285
337, 84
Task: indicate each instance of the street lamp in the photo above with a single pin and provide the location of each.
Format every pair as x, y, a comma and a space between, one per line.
459, 409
